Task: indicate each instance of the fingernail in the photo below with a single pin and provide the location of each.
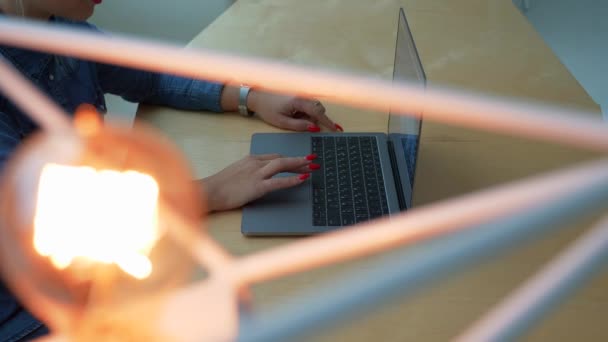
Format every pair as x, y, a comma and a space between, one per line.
314, 128
304, 176
338, 127
312, 156
314, 166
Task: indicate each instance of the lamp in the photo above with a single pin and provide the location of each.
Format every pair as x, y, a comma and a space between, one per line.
94, 248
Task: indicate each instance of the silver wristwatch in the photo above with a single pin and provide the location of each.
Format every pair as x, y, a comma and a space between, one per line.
243, 93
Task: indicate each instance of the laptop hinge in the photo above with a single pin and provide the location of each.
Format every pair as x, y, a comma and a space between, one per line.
397, 179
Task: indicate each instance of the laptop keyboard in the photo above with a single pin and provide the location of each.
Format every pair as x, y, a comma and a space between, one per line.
349, 187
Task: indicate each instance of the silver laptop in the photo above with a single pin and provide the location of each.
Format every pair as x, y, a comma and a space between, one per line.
363, 175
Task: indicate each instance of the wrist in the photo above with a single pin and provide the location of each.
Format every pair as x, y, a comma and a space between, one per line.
253, 100
230, 99
244, 108
209, 194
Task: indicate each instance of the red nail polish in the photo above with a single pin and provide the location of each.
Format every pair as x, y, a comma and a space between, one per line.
304, 176
338, 127
312, 156
314, 128
314, 166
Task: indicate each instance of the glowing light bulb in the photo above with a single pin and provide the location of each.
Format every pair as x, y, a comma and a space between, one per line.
85, 242
69, 224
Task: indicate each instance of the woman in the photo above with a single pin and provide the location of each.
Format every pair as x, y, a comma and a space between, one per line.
72, 82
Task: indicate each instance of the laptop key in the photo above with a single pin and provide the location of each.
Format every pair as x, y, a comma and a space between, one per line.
361, 218
384, 206
345, 195
332, 197
318, 180
375, 212
319, 221
348, 220
320, 209
334, 219
360, 207
347, 211
319, 195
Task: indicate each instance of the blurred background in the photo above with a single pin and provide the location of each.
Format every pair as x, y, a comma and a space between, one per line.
577, 31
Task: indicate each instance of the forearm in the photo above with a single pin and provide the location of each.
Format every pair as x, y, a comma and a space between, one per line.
143, 86
184, 93
230, 99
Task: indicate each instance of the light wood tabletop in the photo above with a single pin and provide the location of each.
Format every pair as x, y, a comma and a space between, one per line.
480, 45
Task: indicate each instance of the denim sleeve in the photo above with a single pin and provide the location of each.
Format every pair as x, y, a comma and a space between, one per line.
9, 138
16, 323
147, 87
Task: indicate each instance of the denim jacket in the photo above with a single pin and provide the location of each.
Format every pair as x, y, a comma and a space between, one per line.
71, 82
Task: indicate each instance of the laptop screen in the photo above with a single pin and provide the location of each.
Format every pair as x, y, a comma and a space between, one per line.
407, 66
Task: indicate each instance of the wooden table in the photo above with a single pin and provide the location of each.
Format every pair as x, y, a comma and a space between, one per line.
484, 45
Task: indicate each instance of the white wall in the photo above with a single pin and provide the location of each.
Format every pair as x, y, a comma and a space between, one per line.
577, 31
177, 21
174, 20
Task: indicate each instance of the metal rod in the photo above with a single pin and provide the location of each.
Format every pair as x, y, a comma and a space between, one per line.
402, 274
572, 127
416, 225
204, 250
440, 104
545, 290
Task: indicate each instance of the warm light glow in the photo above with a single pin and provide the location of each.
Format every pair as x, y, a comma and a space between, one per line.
91, 216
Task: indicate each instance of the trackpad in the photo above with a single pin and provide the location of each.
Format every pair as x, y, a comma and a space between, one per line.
282, 212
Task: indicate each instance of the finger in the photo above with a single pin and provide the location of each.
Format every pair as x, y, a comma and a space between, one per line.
283, 165
298, 125
302, 115
312, 167
316, 110
267, 156
278, 183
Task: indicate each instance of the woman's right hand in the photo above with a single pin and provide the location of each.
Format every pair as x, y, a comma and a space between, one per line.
252, 177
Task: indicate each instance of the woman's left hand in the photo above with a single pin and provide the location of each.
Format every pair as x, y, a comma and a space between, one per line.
252, 177
290, 112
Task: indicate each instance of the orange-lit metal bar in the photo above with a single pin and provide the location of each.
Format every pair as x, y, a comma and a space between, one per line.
370, 238
439, 104
442, 105
43, 111
401, 274
206, 251
416, 225
52, 118
508, 320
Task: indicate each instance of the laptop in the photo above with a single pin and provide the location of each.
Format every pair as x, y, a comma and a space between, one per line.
363, 176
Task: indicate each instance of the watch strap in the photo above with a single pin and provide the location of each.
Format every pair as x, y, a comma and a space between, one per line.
243, 93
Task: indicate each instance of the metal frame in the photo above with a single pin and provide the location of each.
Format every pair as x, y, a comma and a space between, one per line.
456, 219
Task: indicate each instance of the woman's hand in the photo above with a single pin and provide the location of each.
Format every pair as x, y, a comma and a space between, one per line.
251, 178
290, 112
287, 112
